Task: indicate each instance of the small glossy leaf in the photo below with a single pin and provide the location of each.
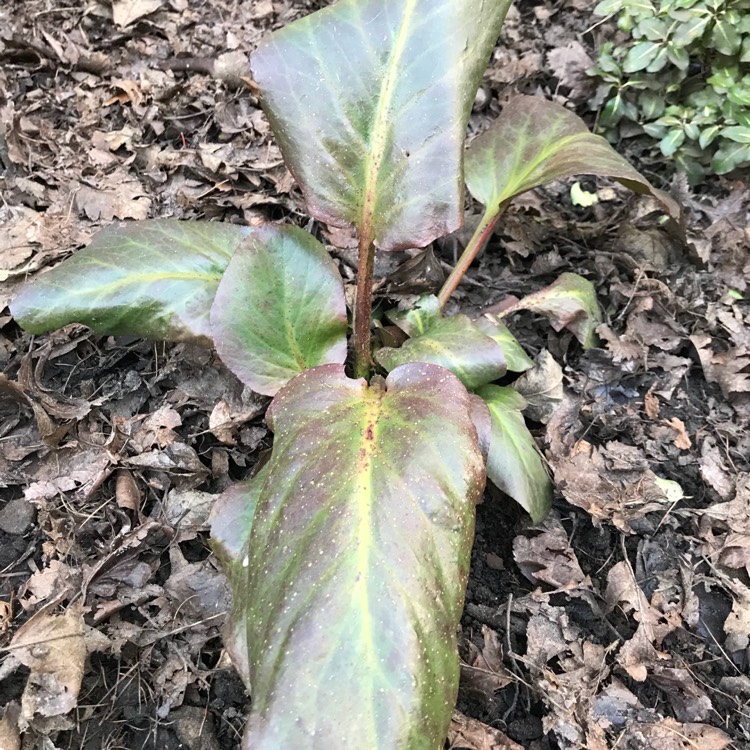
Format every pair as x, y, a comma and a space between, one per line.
678, 56
516, 359
280, 309
652, 28
690, 30
358, 561
454, 343
725, 37
730, 156
514, 464
737, 133
708, 135
155, 279
672, 141
640, 56
570, 302
534, 142
231, 522
369, 100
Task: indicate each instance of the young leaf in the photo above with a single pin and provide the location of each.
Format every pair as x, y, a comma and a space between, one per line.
358, 561
455, 343
280, 309
570, 302
369, 101
534, 142
516, 359
425, 313
231, 522
514, 464
155, 279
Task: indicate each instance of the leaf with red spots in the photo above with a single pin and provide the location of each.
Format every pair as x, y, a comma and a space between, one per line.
357, 560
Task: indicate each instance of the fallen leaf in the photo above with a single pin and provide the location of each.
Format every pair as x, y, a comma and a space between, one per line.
547, 557
125, 12
470, 734
120, 196
484, 672
689, 701
713, 469
569, 65
10, 738
639, 654
669, 734
52, 646
542, 387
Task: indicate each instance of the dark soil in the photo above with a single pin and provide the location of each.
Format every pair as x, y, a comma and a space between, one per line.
623, 620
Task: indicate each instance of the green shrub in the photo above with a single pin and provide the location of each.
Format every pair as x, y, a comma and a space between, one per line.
679, 71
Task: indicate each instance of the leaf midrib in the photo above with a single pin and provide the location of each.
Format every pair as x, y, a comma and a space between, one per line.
379, 134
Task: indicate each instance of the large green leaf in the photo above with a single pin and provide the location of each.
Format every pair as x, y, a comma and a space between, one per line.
535, 141
155, 279
455, 343
280, 309
358, 561
369, 101
231, 522
514, 464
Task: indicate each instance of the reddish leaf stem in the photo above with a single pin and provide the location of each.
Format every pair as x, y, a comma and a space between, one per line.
476, 243
363, 308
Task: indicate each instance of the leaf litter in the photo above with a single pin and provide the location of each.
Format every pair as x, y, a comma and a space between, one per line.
623, 620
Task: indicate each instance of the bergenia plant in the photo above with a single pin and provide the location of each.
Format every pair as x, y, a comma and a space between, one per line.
348, 551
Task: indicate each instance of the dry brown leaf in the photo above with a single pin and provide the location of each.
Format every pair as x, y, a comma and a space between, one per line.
125, 12
730, 369
547, 557
735, 514
688, 700
619, 496
682, 439
127, 494
638, 655
737, 624
473, 735
542, 387
10, 738
669, 734
118, 196
157, 429
713, 469
651, 405
483, 671
569, 64
52, 646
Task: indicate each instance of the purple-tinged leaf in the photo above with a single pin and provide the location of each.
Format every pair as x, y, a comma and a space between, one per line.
516, 359
231, 522
369, 101
535, 141
514, 464
280, 309
155, 279
570, 302
358, 561
454, 343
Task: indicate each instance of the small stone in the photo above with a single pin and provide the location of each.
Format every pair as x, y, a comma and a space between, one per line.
17, 516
